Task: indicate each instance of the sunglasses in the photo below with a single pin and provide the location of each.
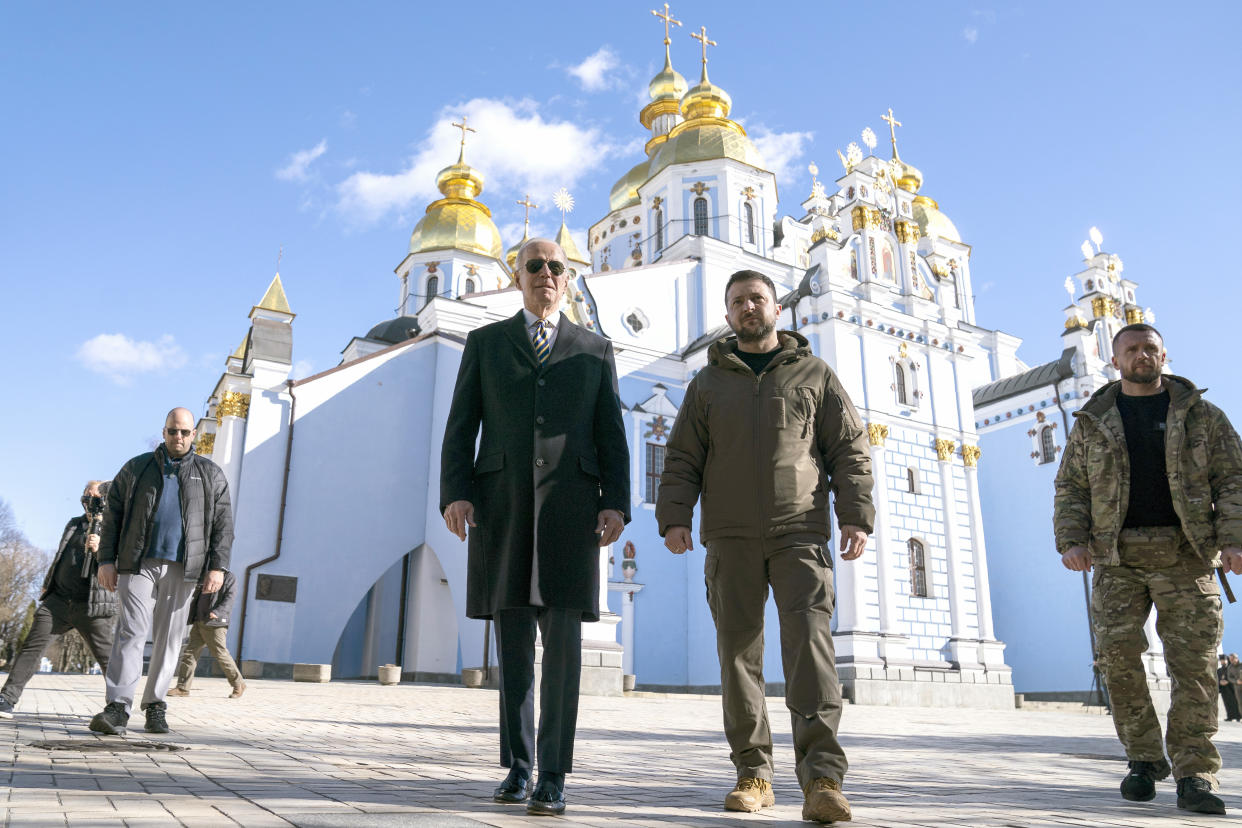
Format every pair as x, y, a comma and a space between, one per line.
173, 432
533, 266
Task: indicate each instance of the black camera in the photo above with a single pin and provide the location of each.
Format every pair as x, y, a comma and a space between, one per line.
94, 504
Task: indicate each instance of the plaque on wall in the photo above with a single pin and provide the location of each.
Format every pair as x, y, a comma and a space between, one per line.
277, 588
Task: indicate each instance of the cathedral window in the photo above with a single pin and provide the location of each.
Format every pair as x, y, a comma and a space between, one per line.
1047, 445
854, 265
470, 287
700, 216
433, 286
655, 467
886, 264
903, 393
918, 568
750, 222
659, 229
912, 481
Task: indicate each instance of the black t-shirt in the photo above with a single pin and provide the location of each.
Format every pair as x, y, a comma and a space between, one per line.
67, 581
757, 362
1144, 418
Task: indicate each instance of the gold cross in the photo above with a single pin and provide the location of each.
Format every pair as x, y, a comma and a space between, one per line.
701, 36
749, 192
528, 204
464, 129
668, 19
699, 188
893, 123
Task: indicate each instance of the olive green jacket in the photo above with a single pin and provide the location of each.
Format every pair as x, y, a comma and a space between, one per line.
763, 452
1204, 460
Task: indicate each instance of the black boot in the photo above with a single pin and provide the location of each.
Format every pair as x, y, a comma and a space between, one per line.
1140, 783
111, 721
1195, 794
156, 723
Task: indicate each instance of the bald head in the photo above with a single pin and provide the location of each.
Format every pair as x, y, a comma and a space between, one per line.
179, 432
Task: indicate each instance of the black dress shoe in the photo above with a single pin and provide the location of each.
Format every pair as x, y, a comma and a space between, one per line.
512, 790
547, 800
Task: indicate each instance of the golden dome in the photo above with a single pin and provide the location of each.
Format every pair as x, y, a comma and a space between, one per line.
625, 191
703, 139
932, 222
511, 253
567, 243
669, 84
910, 179
458, 221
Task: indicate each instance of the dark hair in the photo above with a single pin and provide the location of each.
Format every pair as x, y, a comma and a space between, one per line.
1137, 327
749, 276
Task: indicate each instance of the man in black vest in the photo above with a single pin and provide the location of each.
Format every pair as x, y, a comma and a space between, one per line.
550, 485
71, 599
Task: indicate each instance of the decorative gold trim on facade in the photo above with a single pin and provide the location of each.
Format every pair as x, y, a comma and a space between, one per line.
1075, 322
1133, 316
699, 188
944, 449
902, 351
1102, 306
877, 433
205, 444
232, 404
824, 233
867, 217
907, 232
970, 455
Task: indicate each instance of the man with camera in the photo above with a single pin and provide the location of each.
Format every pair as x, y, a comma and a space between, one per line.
71, 598
167, 523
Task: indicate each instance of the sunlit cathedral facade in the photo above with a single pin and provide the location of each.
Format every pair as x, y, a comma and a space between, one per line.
341, 549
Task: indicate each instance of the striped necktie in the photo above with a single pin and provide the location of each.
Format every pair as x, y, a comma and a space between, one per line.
542, 348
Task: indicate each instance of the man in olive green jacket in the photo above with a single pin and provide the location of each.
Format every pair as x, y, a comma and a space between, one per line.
764, 433
1149, 489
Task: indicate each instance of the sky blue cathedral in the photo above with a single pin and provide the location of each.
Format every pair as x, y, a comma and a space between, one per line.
960, 597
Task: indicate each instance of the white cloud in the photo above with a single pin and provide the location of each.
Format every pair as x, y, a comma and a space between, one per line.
515, 149
120, 358
971, 33
593, 73
348, 119
301, 369
780, 150
299, 163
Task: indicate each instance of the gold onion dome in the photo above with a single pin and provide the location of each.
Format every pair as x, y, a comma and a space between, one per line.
931, 221
910, 179
458, 221
512, 253
669, 85
707, 133
625, 191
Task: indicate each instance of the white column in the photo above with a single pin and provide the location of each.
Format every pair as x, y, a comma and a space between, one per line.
627, 590
231, 411
957, 600
894, 646
983, 593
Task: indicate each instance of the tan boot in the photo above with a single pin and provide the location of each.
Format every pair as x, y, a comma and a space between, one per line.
825, 802
750, 794
177, 691
238, 689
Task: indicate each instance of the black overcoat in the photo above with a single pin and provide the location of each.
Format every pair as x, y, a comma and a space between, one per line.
552, 455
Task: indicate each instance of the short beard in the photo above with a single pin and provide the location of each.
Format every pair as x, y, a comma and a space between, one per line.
1142, 377
761, 333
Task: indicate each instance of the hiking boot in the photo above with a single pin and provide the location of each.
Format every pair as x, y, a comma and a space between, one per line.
111, 720
156, 723
750, 794
177, 691
238, 689
825, 802
1140, 783
6, 708
1195, 794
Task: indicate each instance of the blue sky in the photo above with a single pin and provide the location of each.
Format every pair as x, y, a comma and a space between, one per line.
156, 156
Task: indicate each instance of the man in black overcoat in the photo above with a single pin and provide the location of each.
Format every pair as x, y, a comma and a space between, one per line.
549, 486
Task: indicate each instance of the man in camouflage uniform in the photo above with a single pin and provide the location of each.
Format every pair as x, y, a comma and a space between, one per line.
1150, 487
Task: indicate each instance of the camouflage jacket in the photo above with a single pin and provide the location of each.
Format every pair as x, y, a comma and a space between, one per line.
1204, 460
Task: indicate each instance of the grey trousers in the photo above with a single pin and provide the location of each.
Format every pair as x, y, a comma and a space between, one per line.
215, 640
738, 572
154, 601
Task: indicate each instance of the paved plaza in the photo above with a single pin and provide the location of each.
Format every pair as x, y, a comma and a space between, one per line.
356, 753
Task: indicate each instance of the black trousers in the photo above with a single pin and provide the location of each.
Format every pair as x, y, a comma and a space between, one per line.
1229, 695
561, 631
53, 618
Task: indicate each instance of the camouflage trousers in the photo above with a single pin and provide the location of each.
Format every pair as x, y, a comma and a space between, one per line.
1189, 622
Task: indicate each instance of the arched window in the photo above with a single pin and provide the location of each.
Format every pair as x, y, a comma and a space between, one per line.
854, 265
470, 288
918, 568
912, 481
903, 396
750, 222
1047, 445
433, 286
886, 261
700, 216
659, 229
